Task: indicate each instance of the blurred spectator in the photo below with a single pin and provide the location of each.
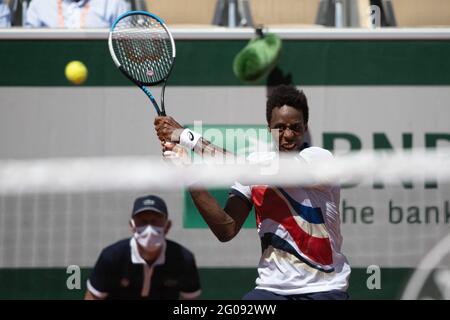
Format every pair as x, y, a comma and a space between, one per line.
147, 266
5, 15
74, 14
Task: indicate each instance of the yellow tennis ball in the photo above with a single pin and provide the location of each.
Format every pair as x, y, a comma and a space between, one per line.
76, 72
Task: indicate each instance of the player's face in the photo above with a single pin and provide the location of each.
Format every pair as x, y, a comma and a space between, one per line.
153, 218
287, 122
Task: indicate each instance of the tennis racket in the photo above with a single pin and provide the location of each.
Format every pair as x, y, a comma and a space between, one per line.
142, 47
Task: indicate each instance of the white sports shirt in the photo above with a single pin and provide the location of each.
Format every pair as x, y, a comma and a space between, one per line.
300, 235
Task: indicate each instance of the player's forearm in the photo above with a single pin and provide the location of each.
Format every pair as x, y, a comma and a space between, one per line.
194, 141
221, 224
207, 149
168, 130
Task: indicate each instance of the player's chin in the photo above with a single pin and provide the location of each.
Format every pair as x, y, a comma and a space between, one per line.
289, 148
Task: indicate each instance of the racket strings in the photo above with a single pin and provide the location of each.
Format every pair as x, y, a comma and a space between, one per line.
143, 47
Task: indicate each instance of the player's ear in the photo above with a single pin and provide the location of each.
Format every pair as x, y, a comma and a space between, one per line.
168, 226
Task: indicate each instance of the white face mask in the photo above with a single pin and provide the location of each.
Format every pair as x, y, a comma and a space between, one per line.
149, 237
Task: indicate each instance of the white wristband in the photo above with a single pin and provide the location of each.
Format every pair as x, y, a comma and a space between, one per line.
189, 138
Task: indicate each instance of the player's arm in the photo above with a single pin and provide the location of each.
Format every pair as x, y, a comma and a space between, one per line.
224, 223
168, 129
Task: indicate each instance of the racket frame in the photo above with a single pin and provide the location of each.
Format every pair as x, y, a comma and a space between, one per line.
142, 85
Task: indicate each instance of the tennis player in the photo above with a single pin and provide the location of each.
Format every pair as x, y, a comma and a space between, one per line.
147, 266
299, 227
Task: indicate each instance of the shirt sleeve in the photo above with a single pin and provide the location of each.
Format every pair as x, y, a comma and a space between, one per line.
190, 280
102, 277
243, 192
313, 155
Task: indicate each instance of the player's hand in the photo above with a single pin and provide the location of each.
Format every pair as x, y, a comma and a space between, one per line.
168, 129
175, 153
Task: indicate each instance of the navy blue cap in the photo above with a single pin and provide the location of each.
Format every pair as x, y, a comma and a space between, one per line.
149, 203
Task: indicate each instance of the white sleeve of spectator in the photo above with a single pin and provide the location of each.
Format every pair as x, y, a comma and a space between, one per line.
122, 7
32, 15
190, 295
95, 292
5, 16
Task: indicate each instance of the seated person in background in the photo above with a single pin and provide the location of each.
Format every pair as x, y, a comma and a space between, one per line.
5, 15
74, 14
147, 266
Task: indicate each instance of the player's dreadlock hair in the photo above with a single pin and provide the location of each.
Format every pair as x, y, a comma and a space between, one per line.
290, 96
